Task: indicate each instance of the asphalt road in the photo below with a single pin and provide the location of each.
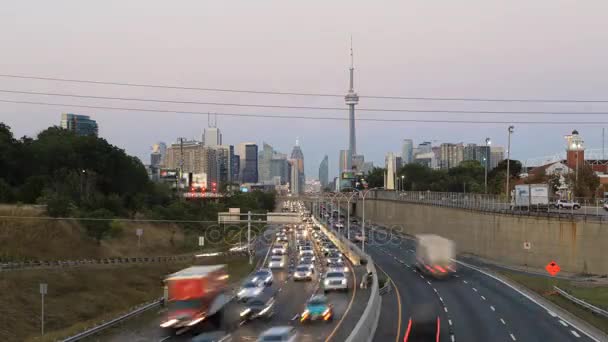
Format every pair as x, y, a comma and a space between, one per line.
291, 299
471, 306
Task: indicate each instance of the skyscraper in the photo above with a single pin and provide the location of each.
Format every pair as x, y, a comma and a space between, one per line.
225, 155
407, 151
79, 124
351, 99
298, 157
294, 178
212, 136
391, 170
249, 163
324, 172
451, 155
344, 163
159, 151
497, 154
272, 164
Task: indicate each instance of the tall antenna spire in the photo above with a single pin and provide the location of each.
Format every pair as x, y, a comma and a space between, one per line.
297, 141
352, 65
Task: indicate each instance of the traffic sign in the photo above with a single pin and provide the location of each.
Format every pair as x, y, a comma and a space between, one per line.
553, 268
43, 288
527, 245
139, 231
201, 240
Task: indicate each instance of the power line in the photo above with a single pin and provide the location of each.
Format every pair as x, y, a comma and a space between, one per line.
310, 117
50, 218
263, 92
391, 110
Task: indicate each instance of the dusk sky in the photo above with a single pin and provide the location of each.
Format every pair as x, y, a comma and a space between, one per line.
549, 49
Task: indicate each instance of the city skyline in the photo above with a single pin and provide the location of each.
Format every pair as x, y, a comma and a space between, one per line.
435, 61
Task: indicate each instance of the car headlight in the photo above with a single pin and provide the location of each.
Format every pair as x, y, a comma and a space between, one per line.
343, 281
308, 274
245, 312
268, 279
282, 264
326, 282
325, 312
240, 293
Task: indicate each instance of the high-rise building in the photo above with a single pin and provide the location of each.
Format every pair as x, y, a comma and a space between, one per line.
272, 165
344, 163
210, 164
249, 163
79, 124
236, 168
225, 156
399, 162
390, 173
425, 147
324, 172
451, 155
497, 154
367, 167
264, 161
298, 157
294, 178
185, 155
351, 99
212, 136
428, 159
407, 151
357, 162
159, 152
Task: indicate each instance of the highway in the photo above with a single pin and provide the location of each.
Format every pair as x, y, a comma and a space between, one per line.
472, 306
290, 302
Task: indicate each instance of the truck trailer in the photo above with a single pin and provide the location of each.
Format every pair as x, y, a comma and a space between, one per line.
530, 197
434, 255
194, 296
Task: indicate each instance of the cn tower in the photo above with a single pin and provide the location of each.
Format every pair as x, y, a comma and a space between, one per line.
351, 100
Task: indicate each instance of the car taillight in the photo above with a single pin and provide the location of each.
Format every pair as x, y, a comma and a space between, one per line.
441, 269
429, 268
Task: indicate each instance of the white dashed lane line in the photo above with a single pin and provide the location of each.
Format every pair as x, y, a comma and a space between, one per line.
453, 338
474, 289
513, 337
575, 333
503, 321
464, 281
449, 321
493, 308
482, 297
552, 313
563, 323
445, 309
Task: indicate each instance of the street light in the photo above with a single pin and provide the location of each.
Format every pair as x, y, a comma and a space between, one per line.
363, 218
510, 131
486, 160
402, 178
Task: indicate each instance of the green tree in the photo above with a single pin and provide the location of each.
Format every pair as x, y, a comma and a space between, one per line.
587, 182
375, 178
100, 228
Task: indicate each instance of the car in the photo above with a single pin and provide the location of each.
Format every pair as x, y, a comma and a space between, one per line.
564, 204
303, 272
261, 306
307, 254
279, 334
317, 308
335, 281
249, 290
303, 248
279, 249
264, 275
276, 261
605, 206
332, 250
337, 268
282, 239
334, 259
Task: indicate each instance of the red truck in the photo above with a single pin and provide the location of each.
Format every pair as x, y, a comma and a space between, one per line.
195, 295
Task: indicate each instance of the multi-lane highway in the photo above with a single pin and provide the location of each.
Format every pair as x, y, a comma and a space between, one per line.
472, 305
291, 298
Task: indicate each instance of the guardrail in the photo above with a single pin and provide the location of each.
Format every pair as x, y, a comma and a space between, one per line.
354, 255
486, 203
581, 302
42, 264
98, 328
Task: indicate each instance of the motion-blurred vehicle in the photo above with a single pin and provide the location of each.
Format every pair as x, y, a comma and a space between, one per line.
250, 289
261, 306
335, 281
194, 295
279, 334
276, 261
303, 272
264, 275
317, 308
435, 255
423, 325
215, 336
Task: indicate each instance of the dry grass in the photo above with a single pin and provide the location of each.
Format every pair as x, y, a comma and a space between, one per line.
78, 297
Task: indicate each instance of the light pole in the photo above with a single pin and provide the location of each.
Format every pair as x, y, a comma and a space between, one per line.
486, 160
355, 192
510, 131
402, 179
363, 218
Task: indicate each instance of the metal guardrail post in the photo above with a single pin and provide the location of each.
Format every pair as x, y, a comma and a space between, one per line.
581, 302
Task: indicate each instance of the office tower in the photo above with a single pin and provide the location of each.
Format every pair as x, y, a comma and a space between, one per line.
399, 162
428, 159
225, 155
185, 155
210, 165
294, 179
298, 156
236, 167
159, 152
497, 154
451, 155
249, 162
79, 124
407, 151
351, 99
324, 172
272, 165
264, 161
357, 162
344, 163
367, 167
212, 136
390, 162
425, 147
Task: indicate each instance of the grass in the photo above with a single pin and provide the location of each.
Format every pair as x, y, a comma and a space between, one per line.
77, 298
597, 296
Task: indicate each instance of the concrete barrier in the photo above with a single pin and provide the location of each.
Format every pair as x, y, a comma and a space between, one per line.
342, 244
576, 246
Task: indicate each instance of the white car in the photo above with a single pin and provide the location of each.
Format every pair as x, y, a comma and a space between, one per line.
279, 334
264, 275
334, 259
276, 261
307, 253
250, 290
303, 272
279, 250
335, 281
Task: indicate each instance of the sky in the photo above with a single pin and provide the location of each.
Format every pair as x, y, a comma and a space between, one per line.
548, 49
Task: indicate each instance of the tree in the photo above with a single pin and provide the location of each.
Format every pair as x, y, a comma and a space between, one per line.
98, 229
497, 177
587, 183
375, 178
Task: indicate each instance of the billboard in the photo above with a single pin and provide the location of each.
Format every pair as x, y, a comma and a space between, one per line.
348, 175
169, 174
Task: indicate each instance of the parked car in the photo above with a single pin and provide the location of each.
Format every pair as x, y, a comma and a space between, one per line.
564, 204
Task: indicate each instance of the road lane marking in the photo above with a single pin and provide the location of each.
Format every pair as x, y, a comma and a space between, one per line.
350, 304
513, 337
465, 281
445, 309
428, 282
575, 333
398, 304
563, 323
453, 338
503, 321
474, 289
441, 299
493, 308
482, 297
449, 321
521, 293
552, 313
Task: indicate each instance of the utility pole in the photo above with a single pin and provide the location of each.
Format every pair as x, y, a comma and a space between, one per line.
43, 291
249, 237
486, 160
181, 163
509, 130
